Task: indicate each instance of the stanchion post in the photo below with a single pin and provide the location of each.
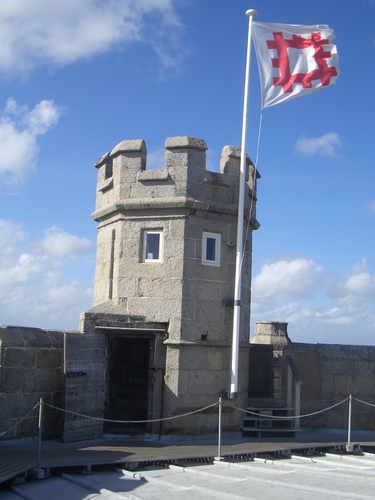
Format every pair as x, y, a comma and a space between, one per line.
39, 473
219, 457
40, 425
349, 446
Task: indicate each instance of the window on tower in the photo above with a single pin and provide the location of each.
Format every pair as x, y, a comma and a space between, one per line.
211, 249
152, 246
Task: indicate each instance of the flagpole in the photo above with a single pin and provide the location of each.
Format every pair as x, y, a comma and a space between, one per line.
233, 390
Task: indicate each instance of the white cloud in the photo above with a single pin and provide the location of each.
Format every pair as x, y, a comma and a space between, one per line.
10, 233
325, 145
361, 285
58, 243
291, 280
318, 305
19, 132
36, 289
39, 32
355, 288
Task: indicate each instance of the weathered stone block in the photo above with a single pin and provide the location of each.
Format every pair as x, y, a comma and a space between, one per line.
365, 367
215, 358
159, 309
193, 358
17, 405
185, 151
210, 310
35, 337
42, 380
57, 339
177, 383
153, 287
156, 189
173, 358
20, 358
10, 380
207, 382
49, 358
125, 288
10, 336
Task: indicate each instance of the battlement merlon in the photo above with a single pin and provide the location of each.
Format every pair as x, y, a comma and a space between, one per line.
185, 151
123, 182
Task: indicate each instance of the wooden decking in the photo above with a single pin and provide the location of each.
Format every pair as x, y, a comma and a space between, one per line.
9, 470
116, 451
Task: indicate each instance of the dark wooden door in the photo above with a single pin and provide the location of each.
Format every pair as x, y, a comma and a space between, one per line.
84, 371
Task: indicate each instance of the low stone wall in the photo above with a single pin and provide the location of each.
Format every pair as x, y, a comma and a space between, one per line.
31, 367
329, 374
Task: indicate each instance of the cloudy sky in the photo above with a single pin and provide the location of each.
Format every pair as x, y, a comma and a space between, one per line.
76, 78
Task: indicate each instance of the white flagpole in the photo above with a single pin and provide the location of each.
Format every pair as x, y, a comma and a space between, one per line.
233, 390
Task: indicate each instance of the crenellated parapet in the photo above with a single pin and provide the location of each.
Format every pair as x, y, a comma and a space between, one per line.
124, 183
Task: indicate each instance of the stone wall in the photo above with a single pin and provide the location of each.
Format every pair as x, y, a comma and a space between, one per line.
329, 374
31, 367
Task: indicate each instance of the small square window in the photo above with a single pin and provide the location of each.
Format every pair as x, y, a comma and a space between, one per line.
152, 246
211, 246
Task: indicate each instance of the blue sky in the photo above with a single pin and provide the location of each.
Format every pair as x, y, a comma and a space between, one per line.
76, 78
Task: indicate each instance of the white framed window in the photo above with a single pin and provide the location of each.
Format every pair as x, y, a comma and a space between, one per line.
153, 245
211, 249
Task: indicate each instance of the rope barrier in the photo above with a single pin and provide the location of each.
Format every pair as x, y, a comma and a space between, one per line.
364, 402
289, 417
133, 421
274, 417
20, 421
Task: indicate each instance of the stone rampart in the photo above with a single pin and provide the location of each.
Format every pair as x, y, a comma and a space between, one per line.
31, 367
329, 374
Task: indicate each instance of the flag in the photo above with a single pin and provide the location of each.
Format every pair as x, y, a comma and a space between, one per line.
293, 60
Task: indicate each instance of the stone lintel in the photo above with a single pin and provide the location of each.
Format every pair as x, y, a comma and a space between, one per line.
199, 344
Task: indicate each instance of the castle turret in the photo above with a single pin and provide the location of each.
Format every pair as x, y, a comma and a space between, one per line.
164, 280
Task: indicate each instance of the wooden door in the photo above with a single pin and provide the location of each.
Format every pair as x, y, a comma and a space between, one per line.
84, 372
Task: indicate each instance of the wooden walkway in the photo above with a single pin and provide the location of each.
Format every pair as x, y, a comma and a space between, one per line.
116, 451
9, 470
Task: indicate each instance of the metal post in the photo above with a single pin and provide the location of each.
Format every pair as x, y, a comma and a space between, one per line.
219, 457
40, 424
297, 405
349, 446
289, 387
233, 388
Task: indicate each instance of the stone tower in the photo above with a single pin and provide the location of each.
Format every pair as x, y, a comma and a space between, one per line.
164, 283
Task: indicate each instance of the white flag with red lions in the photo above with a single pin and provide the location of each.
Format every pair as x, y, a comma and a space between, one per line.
293, 60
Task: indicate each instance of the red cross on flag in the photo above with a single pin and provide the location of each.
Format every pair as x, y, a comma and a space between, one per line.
293, 60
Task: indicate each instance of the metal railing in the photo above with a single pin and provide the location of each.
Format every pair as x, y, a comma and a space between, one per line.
220, 403
293, 376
